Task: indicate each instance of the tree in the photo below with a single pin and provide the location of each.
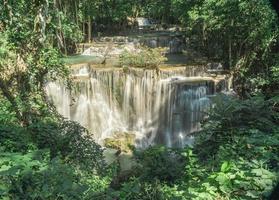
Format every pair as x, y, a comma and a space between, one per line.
240, 34
238, 27
28, 56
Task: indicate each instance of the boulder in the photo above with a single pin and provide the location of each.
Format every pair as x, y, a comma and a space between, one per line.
123, 141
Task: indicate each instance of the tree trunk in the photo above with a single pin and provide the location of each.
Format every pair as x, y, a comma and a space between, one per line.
230, 51
230, 47
84, 31
89, 29
202, 34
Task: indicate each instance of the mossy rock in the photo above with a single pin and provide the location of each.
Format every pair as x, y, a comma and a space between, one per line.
123, 141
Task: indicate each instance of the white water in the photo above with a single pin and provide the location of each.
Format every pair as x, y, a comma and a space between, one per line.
159, 107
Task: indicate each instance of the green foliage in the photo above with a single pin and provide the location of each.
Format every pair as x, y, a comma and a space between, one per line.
70, 140
14, 138
136, 189
247, 38
6, 112
29, 125
23, 75
234, 22
30, 177
148, 58
244, 142
232, 117
34, 176
236, 155
239, 180
168, 166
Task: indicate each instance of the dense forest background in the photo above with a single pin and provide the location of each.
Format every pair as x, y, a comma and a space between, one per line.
44, 156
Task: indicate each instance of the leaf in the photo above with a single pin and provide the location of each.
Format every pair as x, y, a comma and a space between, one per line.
226, 166
222, 179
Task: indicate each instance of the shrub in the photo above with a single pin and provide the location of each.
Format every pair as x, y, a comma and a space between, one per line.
161, 163
30, 176
34, 176
136, 189
14, 138
148, 58
231, 117
239, 150
70, 140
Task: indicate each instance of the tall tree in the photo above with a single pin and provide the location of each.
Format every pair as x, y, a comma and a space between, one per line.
28, 56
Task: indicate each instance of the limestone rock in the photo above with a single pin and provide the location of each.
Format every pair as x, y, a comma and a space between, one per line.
123, 141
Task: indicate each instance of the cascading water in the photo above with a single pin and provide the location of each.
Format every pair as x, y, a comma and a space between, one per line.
158, 106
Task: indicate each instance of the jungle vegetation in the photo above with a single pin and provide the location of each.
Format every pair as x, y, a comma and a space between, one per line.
46, 157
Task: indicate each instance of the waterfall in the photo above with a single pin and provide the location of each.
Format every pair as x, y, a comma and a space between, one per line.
159, 106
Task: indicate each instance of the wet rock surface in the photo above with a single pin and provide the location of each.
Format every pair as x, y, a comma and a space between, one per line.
122, 141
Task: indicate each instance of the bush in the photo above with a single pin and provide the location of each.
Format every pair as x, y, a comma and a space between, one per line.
238, 149
148, 58
14, 138
34, 176
30, 176
161, 163
136, 189
231, 118
70, 140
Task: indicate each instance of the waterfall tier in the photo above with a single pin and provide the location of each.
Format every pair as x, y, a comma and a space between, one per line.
159, 106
